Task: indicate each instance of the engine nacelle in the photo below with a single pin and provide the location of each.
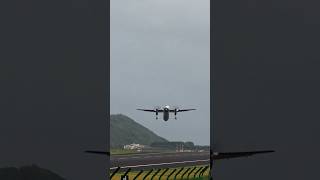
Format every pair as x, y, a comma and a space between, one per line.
175, 111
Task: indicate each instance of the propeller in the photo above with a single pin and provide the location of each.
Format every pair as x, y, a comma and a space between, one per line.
175, 107
156, 107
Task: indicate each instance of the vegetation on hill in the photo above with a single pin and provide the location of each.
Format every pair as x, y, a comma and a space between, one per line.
27, 173
124, 130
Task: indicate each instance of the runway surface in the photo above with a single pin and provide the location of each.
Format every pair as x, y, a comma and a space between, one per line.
159, 160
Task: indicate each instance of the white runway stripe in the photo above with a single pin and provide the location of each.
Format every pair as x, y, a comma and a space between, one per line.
146, 165
144, 157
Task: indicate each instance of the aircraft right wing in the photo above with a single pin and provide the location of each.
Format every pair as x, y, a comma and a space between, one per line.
228, 155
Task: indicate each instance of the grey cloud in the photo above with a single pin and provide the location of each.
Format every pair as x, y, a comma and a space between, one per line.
160, 55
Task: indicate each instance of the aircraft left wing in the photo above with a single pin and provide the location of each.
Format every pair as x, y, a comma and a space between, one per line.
229, 155
150, 110
99, 152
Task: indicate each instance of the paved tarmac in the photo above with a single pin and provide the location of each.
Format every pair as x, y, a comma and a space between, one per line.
158, 160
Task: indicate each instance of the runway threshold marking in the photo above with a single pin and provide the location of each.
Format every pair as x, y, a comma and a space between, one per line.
146, 165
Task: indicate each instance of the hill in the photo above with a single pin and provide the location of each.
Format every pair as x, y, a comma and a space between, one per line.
124, 130
27, 173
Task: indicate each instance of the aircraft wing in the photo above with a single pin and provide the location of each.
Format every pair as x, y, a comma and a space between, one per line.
99, 152
150, 110
215, 156
181, 110
228, 155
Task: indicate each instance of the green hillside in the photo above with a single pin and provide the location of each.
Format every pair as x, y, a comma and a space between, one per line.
124, 130
27, 173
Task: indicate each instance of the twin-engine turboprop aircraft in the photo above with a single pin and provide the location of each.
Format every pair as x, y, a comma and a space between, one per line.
166, 110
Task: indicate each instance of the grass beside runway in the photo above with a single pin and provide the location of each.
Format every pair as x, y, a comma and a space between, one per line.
122, 151
132, 174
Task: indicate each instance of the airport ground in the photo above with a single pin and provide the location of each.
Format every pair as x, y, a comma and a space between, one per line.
158, 160
169, 173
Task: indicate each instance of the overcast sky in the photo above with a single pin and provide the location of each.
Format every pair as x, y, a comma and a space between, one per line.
160, 53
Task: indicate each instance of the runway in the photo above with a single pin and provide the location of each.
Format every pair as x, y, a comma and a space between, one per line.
159, 160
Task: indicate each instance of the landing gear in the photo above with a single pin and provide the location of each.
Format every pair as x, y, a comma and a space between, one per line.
156, 117
175, 117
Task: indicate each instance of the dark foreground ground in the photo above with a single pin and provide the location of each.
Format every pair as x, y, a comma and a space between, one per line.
28, 173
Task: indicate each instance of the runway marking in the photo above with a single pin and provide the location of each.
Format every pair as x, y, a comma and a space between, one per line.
171, 155
144, 157
164, 154
145, 165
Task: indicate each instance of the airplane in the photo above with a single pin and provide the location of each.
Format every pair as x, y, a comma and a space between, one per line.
166, 110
